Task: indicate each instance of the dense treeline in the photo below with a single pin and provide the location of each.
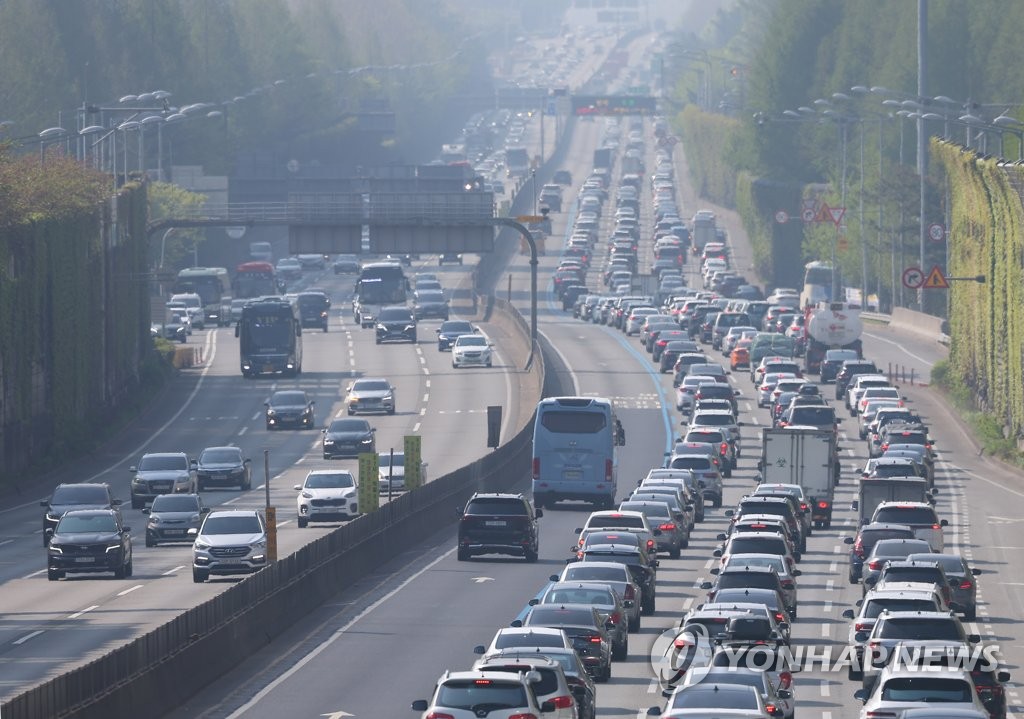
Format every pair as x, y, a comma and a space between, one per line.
291, 61
793, 52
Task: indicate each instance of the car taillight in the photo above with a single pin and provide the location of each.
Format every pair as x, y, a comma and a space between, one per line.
536, 467
630, 593
822, 505
770, 708
765, 387
526, 716
787, 583
875, 565
607, 470
885, 447
936, 526
615, 618
439, 715
595, 640
723, 448
858, 548
562, 702
862, 626
785, 679
966, 584
803, 506
650, 544
880, 715
779, 616
667, 527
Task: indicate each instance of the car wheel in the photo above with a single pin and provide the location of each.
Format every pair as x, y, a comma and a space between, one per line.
530, 555
647, 608
454, 366
199, 575
121, 572
716, 502
463, 555
376, 340
351, 411
150, 542
634, 624
971, 613
488, 363
54, 574
129, 569
727, 473
674, 552
391, 411
792, 613
137, 503
621, 651
303, 522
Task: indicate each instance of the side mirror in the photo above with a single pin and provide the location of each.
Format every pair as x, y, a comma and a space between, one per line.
193, 532
854, 505
654, 712
974, 638
420, 705
577, 530
570, 560
517, 623
1003, 676
975, 572
204, 510
297, 487
553, 578
548, 706
538, 513
729, 512
797, 572
145, 510
44, 503
934, 491
479, 649
534, 602
848, 540
706, 585
715, 571
136, 469
717, 553
943, 522
628, 604
784, 694
848, 614
458, 512
265, 404
721, 537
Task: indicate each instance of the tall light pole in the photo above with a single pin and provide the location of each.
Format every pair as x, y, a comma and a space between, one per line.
922, 164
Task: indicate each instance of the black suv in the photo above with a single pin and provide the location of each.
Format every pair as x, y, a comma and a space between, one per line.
849, 370
313, 308
783, 507
737, 576
396, 323
90, 540
67, 497
499, 524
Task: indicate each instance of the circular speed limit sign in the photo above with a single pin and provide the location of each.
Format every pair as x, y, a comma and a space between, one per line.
913, 278
782, 217
936, 232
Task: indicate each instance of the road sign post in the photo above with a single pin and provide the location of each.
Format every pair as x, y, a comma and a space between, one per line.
913, 278
936, 280
936, 232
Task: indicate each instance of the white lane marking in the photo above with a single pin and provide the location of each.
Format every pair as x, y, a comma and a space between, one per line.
231, 501
256, 416
426, 371
755, 420
76, 615
827, 607
426, 383
6, 541
299, 460
826, 690
687, 604
423, 411
652, 687
28, 636
833, 567
710, 563
34, 574
129, 590
242, 431
901, 347
825, 629
283, 522
426, 396
169, 572
340, 632
416, 428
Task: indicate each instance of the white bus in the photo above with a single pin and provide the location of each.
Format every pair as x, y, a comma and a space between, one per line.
574, 450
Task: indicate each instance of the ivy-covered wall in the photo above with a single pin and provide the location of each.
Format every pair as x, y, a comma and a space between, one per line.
709, 139
986, 320
777, 248
74, 327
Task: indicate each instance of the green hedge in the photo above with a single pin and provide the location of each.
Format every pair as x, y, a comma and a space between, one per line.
777, 248
708, 139
986, 320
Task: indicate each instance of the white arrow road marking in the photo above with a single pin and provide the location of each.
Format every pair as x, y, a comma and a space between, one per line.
481, 580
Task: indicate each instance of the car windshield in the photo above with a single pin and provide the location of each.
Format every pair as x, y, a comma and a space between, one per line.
395, 315
220, 455
580, 595
471, 341
870, 537
80, 494
155, 463
615, 520
926, 689
86, 524
715, 697
950, 564
231, 524
456, 327
385, 459
595, 574
898, 548
813, 415
754, 580
496, 506
774, 561
288, 398
874, 607
944, 628
713, 420
912, 574
691, 463
334, 480
174, 503
757, 545
657, 512
369, 385
551, 615
905, 515
471, 693
430, 296
528, 639
349, 425
627, 538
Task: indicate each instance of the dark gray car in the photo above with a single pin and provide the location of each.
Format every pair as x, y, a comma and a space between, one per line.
886, 550
961, 580
171, 516
601, 596
224, 466
348, 437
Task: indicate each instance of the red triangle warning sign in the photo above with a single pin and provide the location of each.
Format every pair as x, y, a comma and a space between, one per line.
824, 214
936, 280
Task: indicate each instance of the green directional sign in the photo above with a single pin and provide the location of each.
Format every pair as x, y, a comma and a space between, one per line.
614, 105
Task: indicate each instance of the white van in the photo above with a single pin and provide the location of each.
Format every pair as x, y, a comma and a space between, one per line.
193, 304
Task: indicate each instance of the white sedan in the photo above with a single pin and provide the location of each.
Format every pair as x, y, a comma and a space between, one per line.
472, 350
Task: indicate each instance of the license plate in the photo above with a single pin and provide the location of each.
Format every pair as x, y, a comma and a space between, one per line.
85, 560
174, 532
218, 476
495, 523
572, 474
268, 368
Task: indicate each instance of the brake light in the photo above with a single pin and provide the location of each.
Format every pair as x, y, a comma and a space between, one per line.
862, 626
779, 616
803, 506
630, 593
439, 715
482, 682
858, 548
650, 544
787, 583
758, 526
607, 470
562, 702
875, 565
667, 527
785, 679
822, 505
765, 387
615, 618
966, 584
523, 716
770, 708
595, 640
536, 467
723, 448
936, 526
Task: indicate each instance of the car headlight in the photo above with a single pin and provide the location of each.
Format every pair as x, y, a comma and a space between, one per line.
328, 441
410, 327
260, 545
201, 546
154, 519
368, 440
271, 413
54, 549
307, 495
113, 547
388, 398
382, 328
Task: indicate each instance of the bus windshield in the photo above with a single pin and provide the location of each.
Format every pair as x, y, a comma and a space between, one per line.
382, 284
268, 332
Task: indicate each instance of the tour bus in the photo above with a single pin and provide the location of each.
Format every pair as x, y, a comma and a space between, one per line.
213, 288
270, 338
255, 279
574, 451
380, 284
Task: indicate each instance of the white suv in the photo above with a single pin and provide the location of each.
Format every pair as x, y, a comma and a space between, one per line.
506, 695
327, 495
193, 305
230, 541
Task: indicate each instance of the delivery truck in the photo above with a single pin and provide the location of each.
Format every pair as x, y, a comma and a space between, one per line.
806, 456
872, 491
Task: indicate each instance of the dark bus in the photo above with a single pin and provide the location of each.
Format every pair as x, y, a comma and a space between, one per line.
380, 284
270, 338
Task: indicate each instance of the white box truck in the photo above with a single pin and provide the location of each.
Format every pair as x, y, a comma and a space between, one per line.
873, 491
806, 456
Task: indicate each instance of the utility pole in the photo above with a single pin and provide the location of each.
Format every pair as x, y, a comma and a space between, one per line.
922, 164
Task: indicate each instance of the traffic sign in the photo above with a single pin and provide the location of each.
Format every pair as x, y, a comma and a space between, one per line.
823, 214
807, 214
782, 217
836, 214
913, 278
530, 219
936, 280
936, 232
